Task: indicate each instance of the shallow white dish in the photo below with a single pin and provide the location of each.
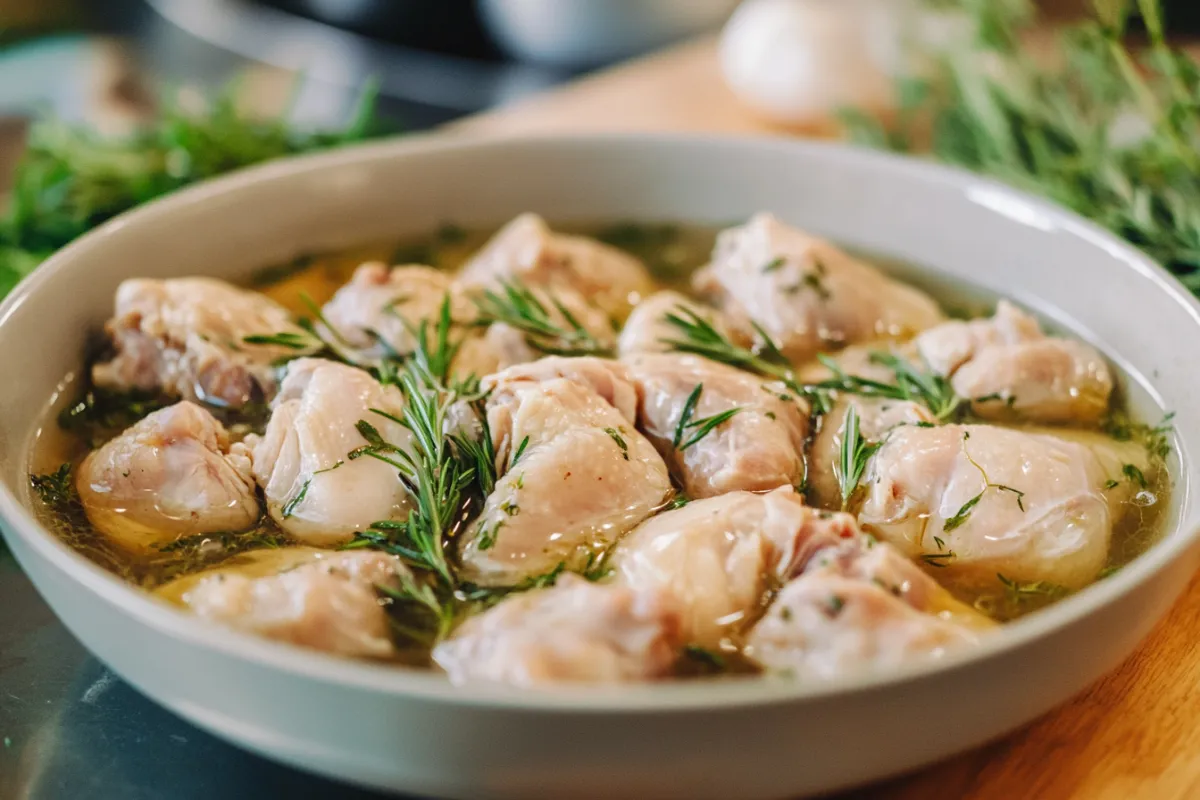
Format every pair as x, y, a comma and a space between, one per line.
405, 730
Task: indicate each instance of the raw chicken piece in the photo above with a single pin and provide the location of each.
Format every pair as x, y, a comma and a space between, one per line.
823, 626
859, 360
609, 379
314, 491
879, 563
186, 337
877, 416
860, 604
321, 600
758, 448
576, 476
806, 294
526, 249
377, 302
646, 327
168, 476
1008, 360
976, 501
574, 631
716, 558
503, 345
948, 346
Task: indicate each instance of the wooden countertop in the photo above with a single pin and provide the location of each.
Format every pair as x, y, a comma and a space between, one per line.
1135, 734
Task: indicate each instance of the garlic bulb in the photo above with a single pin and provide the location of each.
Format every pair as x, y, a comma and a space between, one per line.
796, 61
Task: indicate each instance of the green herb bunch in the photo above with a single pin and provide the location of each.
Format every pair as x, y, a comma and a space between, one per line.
72, 179
1110, 129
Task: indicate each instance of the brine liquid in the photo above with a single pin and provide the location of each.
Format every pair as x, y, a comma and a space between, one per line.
672, 253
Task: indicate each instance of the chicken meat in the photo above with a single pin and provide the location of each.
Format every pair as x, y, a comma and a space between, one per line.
759, 447
877, 417
575, 476
526, 249
825, 626
647, 329
975, 502
1006, 366
860, 605
574, 631
806, 294
187, 337
380, 310
609, 379
717, 557
168, 476
311, 598
314, 489
586, 329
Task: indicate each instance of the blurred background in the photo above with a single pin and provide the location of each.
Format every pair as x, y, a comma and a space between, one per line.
435, 59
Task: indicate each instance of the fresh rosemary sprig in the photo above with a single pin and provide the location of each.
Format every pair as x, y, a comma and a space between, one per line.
703, 426
516, 305
435, 351
697, 335
71, 179
932, 391
1106, 130
855, 452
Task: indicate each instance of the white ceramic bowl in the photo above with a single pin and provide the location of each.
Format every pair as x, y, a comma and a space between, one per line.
407, 730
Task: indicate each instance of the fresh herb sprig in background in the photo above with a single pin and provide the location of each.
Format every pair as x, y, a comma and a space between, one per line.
71, 179
1107, 128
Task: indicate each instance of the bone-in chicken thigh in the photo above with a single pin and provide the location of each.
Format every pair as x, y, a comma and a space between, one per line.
574, 631
186, 337
806, 294
377, 312
860, 605
760, 447
716, 557
170, 475
877, 416
823, 626
587, 328
609, 379
576, 475
647, 330
321, 600
528, 250
1008, 367
976, 501
314, 490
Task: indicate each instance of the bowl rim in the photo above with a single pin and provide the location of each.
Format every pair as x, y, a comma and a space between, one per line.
682, 697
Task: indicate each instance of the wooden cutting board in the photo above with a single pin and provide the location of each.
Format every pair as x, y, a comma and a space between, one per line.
1134, 735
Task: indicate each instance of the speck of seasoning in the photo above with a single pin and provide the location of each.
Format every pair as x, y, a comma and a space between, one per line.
834, 606
785, 613
770, 415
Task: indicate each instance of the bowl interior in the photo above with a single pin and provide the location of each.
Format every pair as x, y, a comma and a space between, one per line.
954, 225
